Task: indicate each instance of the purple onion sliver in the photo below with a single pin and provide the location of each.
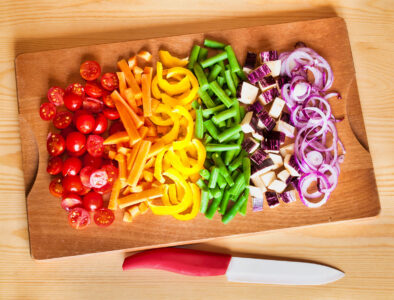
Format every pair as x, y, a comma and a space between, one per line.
268, 55
250, 60
272, 199
257, 204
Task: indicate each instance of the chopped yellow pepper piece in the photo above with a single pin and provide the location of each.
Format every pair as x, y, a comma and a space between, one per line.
171, 61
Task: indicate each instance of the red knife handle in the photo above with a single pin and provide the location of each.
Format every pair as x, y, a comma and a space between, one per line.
180, 260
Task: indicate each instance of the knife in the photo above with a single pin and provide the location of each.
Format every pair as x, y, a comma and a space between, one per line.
237, 269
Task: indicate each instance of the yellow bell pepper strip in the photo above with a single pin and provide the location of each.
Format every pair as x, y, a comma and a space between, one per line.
174, 132
165, 198
148, 176
155, 88
196, 205
193, 80
136, 198
155, 149
196, 167
170, 61
166, 163
150, 162
194, 177
113, 200
158, 173
156, 119
138, 165
117, 138
124, 67
122, 83
172, 194
171, 89
190, 127
183, 204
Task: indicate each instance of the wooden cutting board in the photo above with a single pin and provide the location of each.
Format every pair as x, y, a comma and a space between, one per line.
50, 235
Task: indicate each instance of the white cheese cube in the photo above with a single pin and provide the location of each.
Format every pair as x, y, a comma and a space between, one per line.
275, 66
288, 149
245, 124
267, 178
258, 183
277, 159
286, 128
284, 175
258, 135
292, 171
277, 107
277, 186
257, 192
248, 93
260, 124
246, 70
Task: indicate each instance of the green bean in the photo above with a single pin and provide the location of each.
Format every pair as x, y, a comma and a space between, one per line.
213, 44
239, 142
207, 164
193, 56
214, 73
221, 147
199, 130
246, 169
215, 87
207, 139
205, 98
220, 80
232, 59
209, 155
237, 116
244, 206
214, 59
233, 210
201, 184
242, 112
204, 200
230, 154
235, 174
221, 181
230, 83
195, 104
223, 170
239, 186
222, 124
235, 79
241, 75
230, 122
214, 205
202, 79
228, 92
224, 202
209, 111
226, 134
221, 63
224, 115
214, 177
204, 173
236, 162
211, 128
202, 55
216, 192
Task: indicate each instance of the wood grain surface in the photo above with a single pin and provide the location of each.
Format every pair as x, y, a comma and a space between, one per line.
50, 235
363, 249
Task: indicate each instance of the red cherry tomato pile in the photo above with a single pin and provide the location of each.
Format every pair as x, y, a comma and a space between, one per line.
78, 158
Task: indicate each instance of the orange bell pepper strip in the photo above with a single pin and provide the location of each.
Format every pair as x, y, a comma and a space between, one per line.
148, 176
122, 83
117, 138
171, 89
155, 149
118, 99
127, 217
111, 154
124, 150
129, 96
133, 155
137, 73
120, 158
146, 80
132, 61
163, 130
152, 131
145, 55
136, 198
139, 163
143, 207
143, 130
196, 204
134, 211
151, 161
113, 200
170, 61
183, 204
155, 88
190, 128
130, 79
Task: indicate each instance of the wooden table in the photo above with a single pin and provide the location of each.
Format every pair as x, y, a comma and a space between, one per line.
363, 249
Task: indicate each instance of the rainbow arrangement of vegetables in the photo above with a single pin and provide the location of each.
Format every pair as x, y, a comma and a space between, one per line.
190, 138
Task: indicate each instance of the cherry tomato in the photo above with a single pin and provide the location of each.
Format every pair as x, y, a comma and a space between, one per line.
78, 218
78, 113
107, 99
109, 81
75, 141
92, 105
92, 201
63, 119
76, 88
55, 144
94, 145
72, 101
77, 154
98, 179
104, 217
104, 190
72, 184
55, 95
90, 70
56, 187
112, 173
93, 89
85, 176
94, 162
85, 190
100, 125
111, 113
70, 201
107, 161
116, 127
47, 111
65, 132
55, 165
85, 123
71, 166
